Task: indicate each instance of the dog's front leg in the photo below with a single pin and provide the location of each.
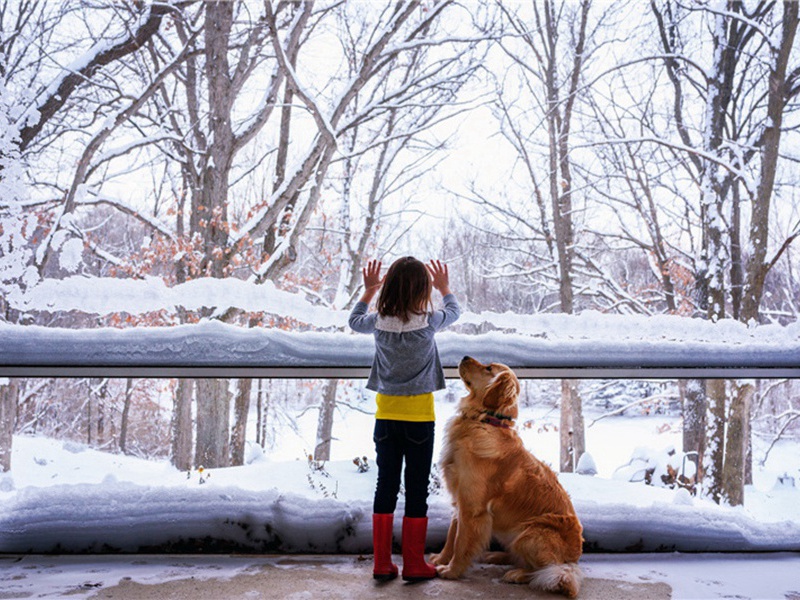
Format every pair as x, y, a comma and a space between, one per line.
472, 535
446, 555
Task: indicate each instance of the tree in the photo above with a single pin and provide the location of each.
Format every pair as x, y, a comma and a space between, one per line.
782, 87
181, 425
9, 390
382, 157
736, 131
540, 63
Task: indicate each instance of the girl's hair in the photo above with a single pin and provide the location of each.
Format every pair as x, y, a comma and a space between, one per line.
406, 289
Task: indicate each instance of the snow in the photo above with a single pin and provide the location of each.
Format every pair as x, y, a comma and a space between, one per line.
104, 296
589, 339
70, 256
700, 576
214, 344
65, 497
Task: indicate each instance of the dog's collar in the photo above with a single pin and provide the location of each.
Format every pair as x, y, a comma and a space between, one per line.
497, 420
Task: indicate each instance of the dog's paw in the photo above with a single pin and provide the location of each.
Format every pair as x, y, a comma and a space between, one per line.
497, 558
447, 572
436, 559
518, 576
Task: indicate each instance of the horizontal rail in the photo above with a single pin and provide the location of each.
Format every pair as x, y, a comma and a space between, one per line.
340, 372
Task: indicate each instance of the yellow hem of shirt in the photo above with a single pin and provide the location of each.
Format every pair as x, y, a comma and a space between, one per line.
417, 408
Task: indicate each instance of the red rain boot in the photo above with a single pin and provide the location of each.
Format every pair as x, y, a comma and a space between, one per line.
384, 569
414, 566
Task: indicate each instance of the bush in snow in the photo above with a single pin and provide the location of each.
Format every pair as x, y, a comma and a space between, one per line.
665, 468
586, 465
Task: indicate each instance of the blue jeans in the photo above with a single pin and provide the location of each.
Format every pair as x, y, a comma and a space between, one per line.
396, 441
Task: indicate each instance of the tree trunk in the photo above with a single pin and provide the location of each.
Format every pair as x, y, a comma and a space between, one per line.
736, 446
89, 415
693, 395
213, 424
757, 266
322, 451
748, 461
126, 411
262, 413
567, 461
241, 410
9, 392
578, 431
182, 425
736, 254
715, 439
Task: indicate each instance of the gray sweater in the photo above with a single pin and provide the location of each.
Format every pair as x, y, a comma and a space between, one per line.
406, 359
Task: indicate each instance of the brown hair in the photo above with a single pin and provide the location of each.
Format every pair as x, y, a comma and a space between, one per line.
406, 289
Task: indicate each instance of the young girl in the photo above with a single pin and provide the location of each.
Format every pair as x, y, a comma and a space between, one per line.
405, 373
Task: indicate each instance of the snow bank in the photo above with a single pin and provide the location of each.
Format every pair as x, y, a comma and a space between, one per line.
217, 344
543, 340
126, 517
70, 499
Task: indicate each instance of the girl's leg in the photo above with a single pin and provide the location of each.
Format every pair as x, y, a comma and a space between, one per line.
390, 462
419, 456
418, 450
389, 457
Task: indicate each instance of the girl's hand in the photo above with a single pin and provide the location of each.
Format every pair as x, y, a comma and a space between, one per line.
372, 280
440, 277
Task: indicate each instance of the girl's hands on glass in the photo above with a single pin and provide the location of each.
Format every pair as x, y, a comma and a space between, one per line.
372, 280
439, 276
372, 275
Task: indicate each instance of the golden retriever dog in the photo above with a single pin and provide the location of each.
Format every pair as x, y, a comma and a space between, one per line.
500, 489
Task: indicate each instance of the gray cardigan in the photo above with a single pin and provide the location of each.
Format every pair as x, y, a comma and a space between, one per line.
406, 359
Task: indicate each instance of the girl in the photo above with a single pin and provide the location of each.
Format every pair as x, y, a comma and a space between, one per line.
405, 372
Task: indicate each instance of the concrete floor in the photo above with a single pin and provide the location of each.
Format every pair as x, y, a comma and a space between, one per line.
204, 577
213, 577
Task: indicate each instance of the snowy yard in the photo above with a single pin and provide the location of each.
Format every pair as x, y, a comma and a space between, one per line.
64, 496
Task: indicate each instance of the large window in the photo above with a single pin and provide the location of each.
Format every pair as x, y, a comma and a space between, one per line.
191, 192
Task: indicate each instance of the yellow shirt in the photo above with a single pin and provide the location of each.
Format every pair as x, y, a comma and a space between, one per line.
417, 408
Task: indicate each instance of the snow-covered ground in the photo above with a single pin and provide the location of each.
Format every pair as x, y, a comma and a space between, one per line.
64, 496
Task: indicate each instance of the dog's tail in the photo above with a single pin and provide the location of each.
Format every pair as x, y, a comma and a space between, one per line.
565, 578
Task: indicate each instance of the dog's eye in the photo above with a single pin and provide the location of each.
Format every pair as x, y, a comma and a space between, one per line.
489, 369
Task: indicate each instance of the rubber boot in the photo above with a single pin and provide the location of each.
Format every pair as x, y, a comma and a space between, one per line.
415, 529
384, 569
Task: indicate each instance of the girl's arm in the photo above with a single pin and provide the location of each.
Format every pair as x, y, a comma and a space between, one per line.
360, 321
441, 281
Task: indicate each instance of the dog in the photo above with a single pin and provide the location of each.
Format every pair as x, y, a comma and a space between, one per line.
500, 489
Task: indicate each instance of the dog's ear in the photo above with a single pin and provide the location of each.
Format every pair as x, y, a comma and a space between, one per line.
501, 395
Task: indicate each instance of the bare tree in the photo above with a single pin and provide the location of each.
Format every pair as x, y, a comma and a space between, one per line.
783, 86
9, 391
541, 63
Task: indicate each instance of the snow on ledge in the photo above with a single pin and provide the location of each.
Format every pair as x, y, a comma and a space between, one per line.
217, 344
589, 339
126, 517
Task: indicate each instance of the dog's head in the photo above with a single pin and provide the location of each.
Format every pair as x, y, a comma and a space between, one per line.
492, 387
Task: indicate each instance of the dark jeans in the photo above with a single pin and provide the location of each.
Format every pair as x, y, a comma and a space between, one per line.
396, 441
